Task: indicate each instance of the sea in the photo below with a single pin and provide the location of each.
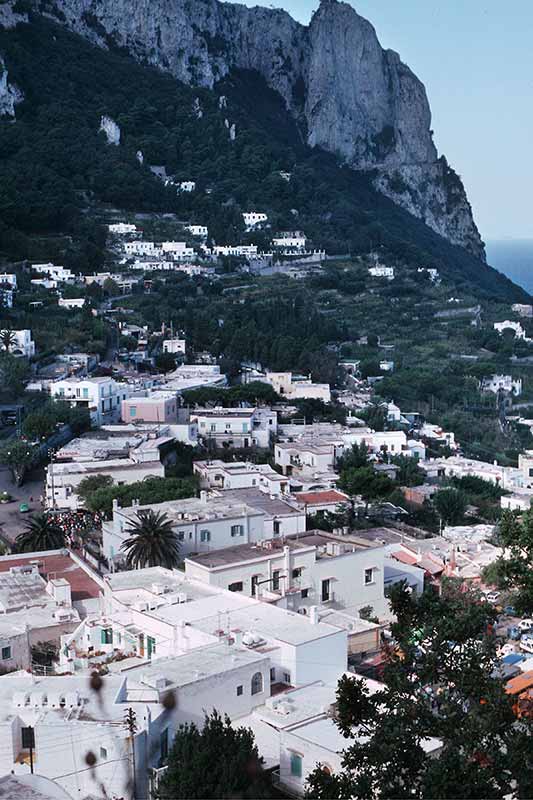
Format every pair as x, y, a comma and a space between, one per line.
513, 257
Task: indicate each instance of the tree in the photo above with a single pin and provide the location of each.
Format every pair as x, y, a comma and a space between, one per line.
42, 533
368, 483
440, 678
150, 490
409, 473
215, 762
450, 505
14, 374
165, 362
91, 484
7, 339
516, 537
18, 455
152, 542
355, 457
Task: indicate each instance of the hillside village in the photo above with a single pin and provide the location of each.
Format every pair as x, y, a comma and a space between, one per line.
266, 454
292, 507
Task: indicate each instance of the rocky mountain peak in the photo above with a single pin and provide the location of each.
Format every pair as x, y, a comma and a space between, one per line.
349, 95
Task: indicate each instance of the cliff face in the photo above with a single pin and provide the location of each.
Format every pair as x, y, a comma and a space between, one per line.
349, 95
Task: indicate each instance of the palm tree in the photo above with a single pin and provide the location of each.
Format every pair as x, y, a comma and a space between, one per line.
152, 543
42, 533
8, 339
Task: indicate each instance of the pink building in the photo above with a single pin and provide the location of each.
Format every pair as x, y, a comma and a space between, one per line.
157, 407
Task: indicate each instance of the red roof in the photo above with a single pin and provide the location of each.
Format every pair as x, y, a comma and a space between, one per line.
316, 498
405, 558
82, 585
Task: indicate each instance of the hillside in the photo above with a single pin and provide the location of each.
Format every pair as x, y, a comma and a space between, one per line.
57, 172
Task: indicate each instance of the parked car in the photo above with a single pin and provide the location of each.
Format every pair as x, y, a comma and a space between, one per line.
506, 650
513, 633
492, 597
526, 643
525, 624
510, 611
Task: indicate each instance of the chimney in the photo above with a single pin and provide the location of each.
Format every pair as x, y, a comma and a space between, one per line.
203, 496
115, 504
313, 615
237, 638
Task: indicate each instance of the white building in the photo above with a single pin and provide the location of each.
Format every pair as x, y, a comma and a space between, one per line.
437, 434
502, 383
32, 610
236, 427
63, 479
198, 230
240, 475
239, 250
459, 467
6, 297
72, 303
187, 186
513, 326
23, 345
295, 387
300, 572
56, 273
290, 240
253, 219
102, 396
382, 272
122, 228
200, 524
138, 247
195, 376
174, 346
9, 279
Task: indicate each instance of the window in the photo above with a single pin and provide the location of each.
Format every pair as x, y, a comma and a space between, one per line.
277, 527
272, 674
235, 587
369, 576
255, 581
28, 738
257, 683
150, 646
85, 394
275, 580
296, 573
163, 744
205, 536
181, 536
304, 593
213, 428
106, 636
133, 411
239, 691
103, 753
325, 590
6, 652
296, 765
286, 676
237, 530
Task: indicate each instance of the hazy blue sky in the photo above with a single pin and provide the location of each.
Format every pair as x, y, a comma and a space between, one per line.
475, 58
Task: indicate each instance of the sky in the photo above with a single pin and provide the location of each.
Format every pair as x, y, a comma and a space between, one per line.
475, 58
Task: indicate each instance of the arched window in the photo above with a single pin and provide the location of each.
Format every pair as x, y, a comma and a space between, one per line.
257, 683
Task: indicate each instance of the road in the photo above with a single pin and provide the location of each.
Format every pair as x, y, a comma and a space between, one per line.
11, 520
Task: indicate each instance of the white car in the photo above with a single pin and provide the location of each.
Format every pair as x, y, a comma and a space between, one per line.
525, 624
492, 597
506, 650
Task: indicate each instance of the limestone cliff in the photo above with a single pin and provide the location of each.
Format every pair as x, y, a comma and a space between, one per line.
10, 94
348, 95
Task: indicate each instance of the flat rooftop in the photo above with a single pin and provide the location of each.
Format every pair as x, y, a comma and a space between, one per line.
201, 663
190, 509
58, 564
271, 506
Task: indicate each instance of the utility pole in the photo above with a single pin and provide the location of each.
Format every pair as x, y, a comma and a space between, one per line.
130, 723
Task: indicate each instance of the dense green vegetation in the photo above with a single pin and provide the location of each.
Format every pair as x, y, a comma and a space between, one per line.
55, 165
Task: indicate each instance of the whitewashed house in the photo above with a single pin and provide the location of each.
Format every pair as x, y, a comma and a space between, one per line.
254, 219
236, 427
23, 344
102, 396
240, 475
122, 228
